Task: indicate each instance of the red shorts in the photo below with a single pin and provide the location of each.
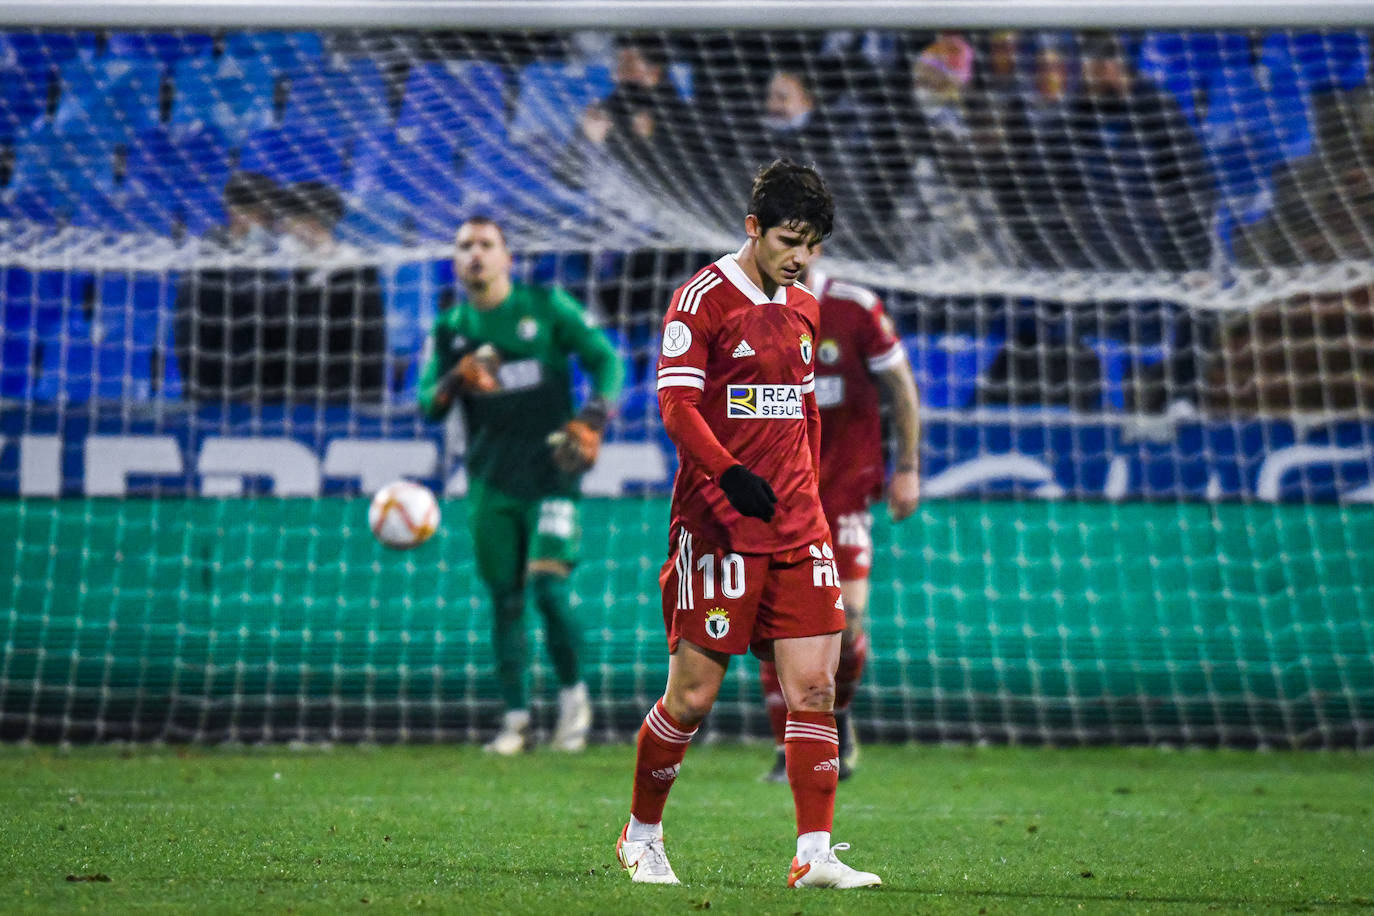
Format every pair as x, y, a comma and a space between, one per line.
731, 602
853, 534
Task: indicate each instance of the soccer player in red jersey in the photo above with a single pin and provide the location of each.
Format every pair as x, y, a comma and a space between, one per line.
750, 564
859, 358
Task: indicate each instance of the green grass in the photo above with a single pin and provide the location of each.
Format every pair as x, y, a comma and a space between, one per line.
959, 830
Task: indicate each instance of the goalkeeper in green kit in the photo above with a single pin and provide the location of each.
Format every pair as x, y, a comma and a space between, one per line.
501, 354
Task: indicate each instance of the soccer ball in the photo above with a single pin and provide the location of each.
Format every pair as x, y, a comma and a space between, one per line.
403, 514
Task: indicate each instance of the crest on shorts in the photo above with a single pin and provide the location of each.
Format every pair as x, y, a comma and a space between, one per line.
717, 623
806, 348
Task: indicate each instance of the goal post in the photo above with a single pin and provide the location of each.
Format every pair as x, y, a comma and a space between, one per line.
1143, 328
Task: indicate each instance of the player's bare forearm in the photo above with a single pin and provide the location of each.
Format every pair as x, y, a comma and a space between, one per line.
904, 490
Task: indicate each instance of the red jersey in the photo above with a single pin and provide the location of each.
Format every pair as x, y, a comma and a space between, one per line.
857, 341
736, 386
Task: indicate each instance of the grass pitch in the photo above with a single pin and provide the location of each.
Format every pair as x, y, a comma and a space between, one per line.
446, 829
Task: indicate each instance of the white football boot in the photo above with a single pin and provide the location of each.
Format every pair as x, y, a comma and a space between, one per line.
574, 719
514, 736
826, 870
647, 863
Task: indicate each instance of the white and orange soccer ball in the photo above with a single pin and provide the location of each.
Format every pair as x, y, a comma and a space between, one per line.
403, 514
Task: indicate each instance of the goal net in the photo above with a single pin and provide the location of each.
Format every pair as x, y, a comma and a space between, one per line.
1132, 270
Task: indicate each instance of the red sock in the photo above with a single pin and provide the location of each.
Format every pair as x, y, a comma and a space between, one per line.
662, 745
813, 768
774, 701
853, 657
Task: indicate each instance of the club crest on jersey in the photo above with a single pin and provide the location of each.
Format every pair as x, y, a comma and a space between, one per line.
828, 352
764, 402
806, 348
717, 623
527, 329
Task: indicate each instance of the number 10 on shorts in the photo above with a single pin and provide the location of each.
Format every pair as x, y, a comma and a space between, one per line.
731, 568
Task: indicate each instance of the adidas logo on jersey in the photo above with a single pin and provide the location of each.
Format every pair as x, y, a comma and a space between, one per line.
743, 350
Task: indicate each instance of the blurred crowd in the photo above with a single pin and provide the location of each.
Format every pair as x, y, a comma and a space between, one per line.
1056, 150
1172, 152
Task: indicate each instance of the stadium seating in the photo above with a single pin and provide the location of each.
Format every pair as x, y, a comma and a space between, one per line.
44, 52
457, 104
31, 311
1119, 359
230, 95
177, 178
287, 155
397, 182
108, 99
518, 181
167, 48
552, 97
117, 351
1323, 62
1185, 63
947, 366
54, 175
23, 98
288, 52
1249, 130
353, 98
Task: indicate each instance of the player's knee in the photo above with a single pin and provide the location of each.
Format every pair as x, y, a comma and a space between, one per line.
689, 705
813, 694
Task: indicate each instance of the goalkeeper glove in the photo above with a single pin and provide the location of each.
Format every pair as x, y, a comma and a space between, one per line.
749, 493
476, 371
577, 444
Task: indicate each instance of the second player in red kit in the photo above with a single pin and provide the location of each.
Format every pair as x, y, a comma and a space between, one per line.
750, 563
859, 362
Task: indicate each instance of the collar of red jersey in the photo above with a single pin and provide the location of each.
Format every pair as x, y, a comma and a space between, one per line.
729, 265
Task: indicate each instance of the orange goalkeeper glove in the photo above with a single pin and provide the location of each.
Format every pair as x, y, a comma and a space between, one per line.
477, 370
577, 444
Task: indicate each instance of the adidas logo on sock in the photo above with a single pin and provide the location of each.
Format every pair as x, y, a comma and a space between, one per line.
743, 350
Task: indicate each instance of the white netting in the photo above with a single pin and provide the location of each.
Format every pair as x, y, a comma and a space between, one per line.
1132, 271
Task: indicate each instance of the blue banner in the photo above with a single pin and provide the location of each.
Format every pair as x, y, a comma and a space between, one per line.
116, 450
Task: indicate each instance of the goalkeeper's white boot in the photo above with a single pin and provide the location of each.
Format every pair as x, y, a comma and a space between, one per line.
647, 862
826, 870
514, 735
574, 719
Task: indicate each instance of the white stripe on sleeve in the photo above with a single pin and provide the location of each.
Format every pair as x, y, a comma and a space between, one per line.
681, 381
894, 355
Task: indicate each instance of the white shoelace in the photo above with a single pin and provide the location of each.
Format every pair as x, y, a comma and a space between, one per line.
831, 857
655, 858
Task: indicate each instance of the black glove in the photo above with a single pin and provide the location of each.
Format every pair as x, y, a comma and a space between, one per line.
749, 493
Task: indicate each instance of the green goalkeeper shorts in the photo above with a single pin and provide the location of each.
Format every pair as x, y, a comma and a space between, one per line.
507, 533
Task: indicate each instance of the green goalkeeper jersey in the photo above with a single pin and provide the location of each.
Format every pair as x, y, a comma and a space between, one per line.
535, 332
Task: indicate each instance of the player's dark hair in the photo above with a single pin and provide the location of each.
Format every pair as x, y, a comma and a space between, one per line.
251, 189
1102, 46
651, 48
788, 194
481, 219
315, 199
